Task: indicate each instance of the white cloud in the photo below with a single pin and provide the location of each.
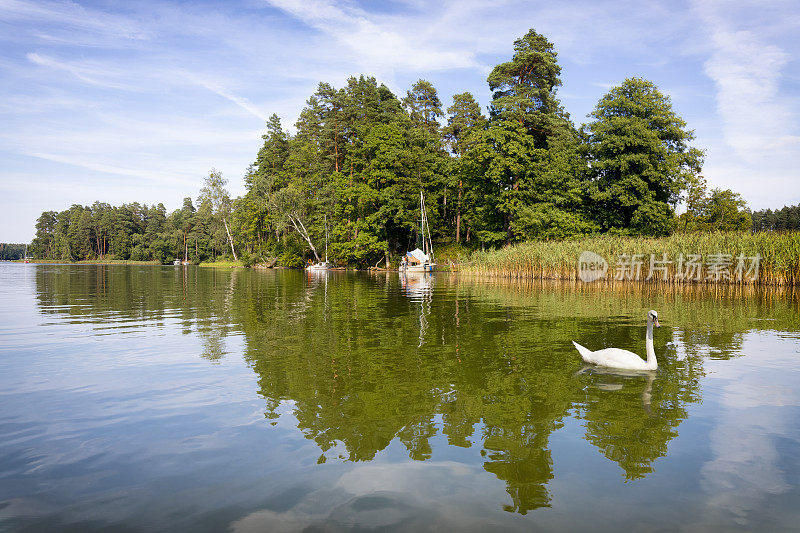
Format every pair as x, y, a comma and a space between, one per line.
744, 472
138, 173
437, 495
756, 120
121, 88
380, 44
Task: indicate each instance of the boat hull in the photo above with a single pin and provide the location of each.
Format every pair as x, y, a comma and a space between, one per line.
426, 267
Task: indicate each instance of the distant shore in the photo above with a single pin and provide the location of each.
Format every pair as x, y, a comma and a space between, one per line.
763, 258
86, 262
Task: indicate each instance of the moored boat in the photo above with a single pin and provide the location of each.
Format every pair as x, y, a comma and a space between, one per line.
420, 259
321, 265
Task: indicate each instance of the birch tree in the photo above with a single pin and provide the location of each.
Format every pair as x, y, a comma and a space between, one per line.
220, 199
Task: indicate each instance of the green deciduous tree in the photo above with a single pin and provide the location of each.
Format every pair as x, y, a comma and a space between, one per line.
725, 210
640, 158
215, 193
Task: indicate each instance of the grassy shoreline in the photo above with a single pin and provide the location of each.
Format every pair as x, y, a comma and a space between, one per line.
221, 264
778, 263
778, 259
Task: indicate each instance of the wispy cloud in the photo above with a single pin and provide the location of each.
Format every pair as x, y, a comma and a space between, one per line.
164, 89
744, 471
243, 103
757, 120
747, 72
75, 16
158, 177
381, 43
84, 73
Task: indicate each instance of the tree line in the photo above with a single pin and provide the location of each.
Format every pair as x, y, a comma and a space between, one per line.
12, 251
786, 219
130, 232
348, 179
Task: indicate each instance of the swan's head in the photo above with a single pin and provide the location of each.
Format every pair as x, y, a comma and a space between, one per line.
652, 316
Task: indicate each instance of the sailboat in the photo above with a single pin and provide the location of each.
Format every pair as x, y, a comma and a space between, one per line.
321, 265
420, 260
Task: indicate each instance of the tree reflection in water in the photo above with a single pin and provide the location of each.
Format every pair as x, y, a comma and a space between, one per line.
359, 376
367, 360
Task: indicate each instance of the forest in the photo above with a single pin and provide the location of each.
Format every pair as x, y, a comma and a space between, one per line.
348, 179
786, 219
12, 251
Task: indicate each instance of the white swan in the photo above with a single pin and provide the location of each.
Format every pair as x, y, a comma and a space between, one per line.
617, 358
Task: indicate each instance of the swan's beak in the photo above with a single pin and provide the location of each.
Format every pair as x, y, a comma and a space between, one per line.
656, 323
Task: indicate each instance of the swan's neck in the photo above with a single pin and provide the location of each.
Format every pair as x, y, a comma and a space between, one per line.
651, 353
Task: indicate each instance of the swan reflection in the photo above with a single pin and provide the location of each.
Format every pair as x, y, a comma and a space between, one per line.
624, 422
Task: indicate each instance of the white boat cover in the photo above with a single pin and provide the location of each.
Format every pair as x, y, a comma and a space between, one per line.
419, 255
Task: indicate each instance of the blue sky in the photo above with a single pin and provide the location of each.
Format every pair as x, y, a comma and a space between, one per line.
136, 101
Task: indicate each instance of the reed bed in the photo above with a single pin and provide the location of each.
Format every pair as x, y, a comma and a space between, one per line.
221, 264
725, 258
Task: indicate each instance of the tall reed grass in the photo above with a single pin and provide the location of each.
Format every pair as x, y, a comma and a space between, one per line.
778, 264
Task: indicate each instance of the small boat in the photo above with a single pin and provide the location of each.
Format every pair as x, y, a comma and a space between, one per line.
321, 265
417, 261
420, 260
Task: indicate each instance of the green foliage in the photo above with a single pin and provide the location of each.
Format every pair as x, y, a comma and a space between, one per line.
423, 105
524, 88
464, 125
130, 232
547, 221
785, 219
526, 166
346, 185
640, 158
248, 259
719, 210
291, 259
12, 252
349, 179
725, 210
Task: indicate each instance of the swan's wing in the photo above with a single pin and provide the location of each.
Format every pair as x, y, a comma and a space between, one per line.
617, 358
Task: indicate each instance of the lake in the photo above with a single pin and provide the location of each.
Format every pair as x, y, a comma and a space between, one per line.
142, 398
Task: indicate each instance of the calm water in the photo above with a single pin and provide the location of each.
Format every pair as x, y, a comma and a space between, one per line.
184, 399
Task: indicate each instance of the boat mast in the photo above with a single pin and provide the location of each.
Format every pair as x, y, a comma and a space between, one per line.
422, 222
425, 229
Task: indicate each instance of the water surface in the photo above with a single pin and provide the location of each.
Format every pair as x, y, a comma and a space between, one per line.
141, 398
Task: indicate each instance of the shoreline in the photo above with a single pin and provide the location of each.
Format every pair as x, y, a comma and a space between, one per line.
712, 258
